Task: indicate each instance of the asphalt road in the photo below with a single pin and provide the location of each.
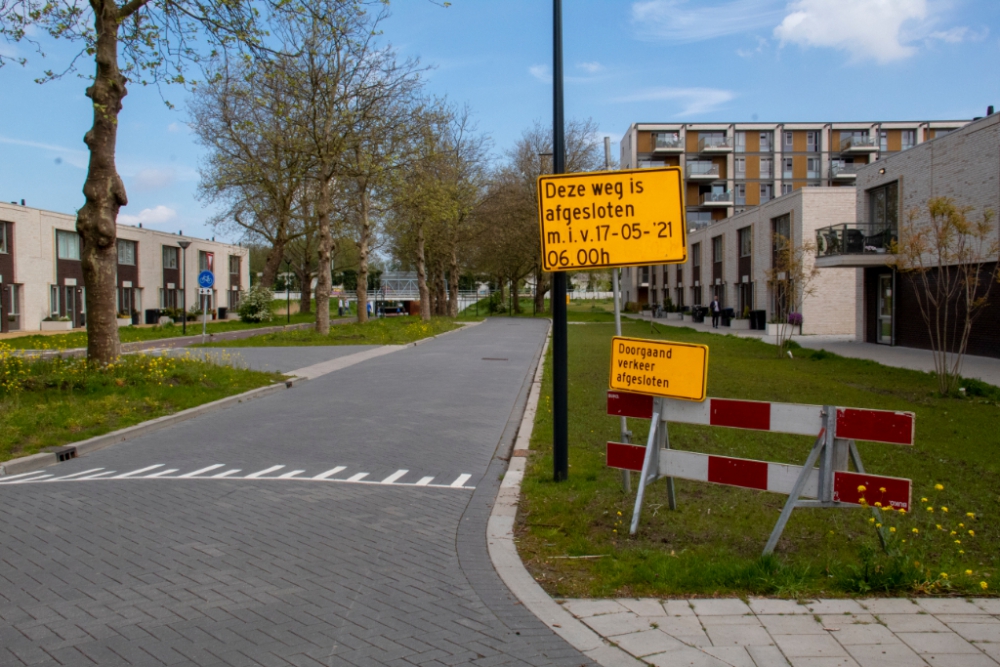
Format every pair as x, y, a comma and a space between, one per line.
339, 523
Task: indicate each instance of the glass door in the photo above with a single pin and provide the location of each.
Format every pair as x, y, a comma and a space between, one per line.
885, 309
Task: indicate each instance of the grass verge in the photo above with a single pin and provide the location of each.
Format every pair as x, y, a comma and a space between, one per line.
712, 543
383, 331
61, 401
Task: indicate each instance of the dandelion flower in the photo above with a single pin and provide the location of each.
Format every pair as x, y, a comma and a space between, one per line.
861, 489
882, 489
971, 515
938, 487
961, 551
878, 525
892, 529
944, 509
878, 504
923, 500
902, 510
871, 520
972, 533
915, 531
930, 509
958, 541
944, 575
983, 585
968, 572
619, 513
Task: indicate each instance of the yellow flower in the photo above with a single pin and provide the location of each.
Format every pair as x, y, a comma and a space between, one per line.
961, 525
958, 541
944, 575
938, 526
878, 525
968, 572
983, 585
972, 533
954, 533
861, 488
878, 504
938, 487
882, 489
902, 510
971, 515
871, 520
619, 514
944, 509
930, 509
961, 551
923, 500
892, 529
915, 531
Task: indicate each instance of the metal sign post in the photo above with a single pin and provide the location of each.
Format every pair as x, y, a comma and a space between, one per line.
206, 280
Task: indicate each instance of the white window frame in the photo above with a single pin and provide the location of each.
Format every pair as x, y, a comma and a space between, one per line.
231, 258
787, 167
175, 254
767, 139
3, 238
740, 142
812, 167
769, 171
812, 141
741, 166
766, 192
740, 194
122, 244
907, 134
63, 234
787, 188
745, 237
883, 140
789, 140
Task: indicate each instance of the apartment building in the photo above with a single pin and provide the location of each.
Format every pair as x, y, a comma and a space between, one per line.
730, 167
730, 259
964, 165
41, 274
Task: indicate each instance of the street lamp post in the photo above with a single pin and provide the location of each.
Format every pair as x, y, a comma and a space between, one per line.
184, 264
288, 294
560, 360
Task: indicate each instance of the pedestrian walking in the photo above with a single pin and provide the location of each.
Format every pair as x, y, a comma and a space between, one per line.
716, 311
340, 307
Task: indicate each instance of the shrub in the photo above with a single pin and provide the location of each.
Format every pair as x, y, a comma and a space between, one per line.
255, 304
631, 307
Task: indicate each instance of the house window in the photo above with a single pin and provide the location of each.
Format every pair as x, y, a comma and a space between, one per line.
234, 264
787, 188
883, 141
126, 252
812, 167
781, 228
766, 167
741, 167
741, 142
788, 141
909, 139
765, 142
3, 238
170, 257
206, 261
741, 194
786, 167
766, 192
812, 141
696, 255
884, 207
717, 250
746, 241
67, 245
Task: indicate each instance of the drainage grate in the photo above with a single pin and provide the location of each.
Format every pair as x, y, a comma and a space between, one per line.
62, 453
495, 359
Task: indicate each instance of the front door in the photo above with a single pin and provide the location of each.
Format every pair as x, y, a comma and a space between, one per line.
884, 335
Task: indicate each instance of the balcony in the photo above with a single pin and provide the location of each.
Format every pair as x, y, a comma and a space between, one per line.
667, 144
717, 199
855, 244
715, 145
845, 172
702, 171
857, 144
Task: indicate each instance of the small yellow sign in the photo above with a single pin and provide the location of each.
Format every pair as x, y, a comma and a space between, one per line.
612, 218
659, 368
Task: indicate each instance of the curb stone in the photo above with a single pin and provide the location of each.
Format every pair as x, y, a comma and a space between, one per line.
508, 564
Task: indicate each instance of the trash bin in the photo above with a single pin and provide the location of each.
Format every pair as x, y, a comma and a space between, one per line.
153, 316
758, 319
727, 316
222, 312
698, 314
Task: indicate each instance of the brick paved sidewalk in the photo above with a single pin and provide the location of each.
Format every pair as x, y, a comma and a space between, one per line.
884, 632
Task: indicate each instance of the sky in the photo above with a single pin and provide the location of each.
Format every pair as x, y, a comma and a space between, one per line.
625, 62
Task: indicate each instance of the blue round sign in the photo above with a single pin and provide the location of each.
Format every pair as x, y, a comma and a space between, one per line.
206, 279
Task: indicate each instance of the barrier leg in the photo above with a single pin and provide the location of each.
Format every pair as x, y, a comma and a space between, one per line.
650, 469
876, 512
793, 497
665, 444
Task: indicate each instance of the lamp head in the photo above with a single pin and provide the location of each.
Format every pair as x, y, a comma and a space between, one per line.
184, 244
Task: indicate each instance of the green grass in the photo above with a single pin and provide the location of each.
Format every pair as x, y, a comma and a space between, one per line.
580, 310
78, 339
63, 401
712, 543
383, 331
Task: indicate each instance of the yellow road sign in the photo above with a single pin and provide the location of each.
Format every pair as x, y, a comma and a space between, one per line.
659, 368
612, 218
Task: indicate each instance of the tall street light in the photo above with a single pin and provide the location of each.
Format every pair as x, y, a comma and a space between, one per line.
184, 267
560, 388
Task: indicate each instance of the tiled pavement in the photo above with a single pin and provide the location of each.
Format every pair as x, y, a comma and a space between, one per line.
931, 632
225, 571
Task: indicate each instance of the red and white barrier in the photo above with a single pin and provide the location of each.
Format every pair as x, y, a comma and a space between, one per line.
851, 424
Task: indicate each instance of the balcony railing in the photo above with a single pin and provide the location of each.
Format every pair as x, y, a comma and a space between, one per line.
717, 198
844, 170
667, 143
855, 238
715, 144
862, 144
702, 171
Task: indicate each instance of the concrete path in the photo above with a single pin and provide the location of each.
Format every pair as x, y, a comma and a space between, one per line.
341, 522
886, 632
986, 369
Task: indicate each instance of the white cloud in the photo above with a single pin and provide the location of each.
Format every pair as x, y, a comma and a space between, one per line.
750, 53
693, 100
959, 34
71, 156
149, 216
876, 29
154, 179
686, 21
541, 72
591, 67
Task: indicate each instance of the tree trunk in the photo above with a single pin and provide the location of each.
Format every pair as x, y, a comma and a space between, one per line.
440, 295
515, 295
425, 294
104, 192
305, 297
541, 284
273, 263
323, 284
502, 283
363, 258
453, 285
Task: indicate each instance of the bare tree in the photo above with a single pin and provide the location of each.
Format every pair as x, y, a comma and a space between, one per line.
953, 261
133, 41
790, 277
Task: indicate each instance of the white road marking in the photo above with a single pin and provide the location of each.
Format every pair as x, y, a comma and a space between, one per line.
330, 473
9, 478
161, 473
289, 475
357, 478
226, 474
33, 479
460, 482
260, 473
394, 476
424, 481
76, 474
100, 474
198, 472
140, 470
